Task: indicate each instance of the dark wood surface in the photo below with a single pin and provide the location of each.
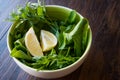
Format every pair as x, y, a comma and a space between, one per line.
103, 62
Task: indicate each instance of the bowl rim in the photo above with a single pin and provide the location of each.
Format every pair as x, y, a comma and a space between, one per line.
57, 70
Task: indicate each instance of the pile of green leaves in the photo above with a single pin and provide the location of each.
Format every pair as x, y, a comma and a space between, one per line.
72, 37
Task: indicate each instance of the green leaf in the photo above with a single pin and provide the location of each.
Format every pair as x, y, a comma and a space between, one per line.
77, 35
71, 18
20, 45
68, 52
80, 35
53, 52
40, 11
62, 41
53, 61
84, 37
19, 54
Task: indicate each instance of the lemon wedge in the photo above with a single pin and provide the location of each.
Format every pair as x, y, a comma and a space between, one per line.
48, 40
32, 43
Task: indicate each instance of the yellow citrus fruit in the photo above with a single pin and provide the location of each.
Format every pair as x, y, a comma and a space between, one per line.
48, 40
32, 43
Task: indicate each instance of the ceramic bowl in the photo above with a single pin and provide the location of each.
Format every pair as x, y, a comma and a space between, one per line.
57, 12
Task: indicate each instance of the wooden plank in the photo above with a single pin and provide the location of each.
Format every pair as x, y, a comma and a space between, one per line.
5, 11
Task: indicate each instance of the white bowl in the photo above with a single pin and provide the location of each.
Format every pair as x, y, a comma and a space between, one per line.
48, 74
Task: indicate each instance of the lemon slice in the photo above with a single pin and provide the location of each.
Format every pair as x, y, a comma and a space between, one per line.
32, 43
48, 40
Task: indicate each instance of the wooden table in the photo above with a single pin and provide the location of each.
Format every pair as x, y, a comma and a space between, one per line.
103, 62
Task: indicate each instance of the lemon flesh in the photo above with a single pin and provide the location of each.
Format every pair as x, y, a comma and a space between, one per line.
48, 40
32, 43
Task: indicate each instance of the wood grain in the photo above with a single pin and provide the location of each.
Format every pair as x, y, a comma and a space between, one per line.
103, 62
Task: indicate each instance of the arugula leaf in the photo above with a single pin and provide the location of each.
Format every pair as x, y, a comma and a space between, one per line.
40, 11
80, 36
77, 35
85, 36
53, 61
19, 51
71, 18
66, 30
20, 54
